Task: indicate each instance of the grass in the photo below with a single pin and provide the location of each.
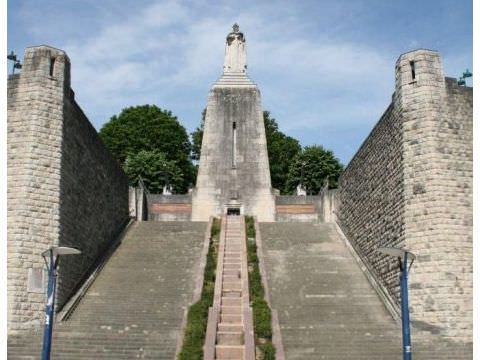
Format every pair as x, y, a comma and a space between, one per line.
197, 318
262, 315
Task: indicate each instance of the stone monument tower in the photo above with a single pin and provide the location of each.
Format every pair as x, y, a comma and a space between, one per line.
234, 174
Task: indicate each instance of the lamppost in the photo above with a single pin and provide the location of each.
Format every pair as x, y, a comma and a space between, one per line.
16, 63
461, 79
404, 256
51, 257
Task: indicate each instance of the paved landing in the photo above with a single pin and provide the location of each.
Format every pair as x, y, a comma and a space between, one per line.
135, 307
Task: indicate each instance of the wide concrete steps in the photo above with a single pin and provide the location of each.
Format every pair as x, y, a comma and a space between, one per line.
327, 309
135, 307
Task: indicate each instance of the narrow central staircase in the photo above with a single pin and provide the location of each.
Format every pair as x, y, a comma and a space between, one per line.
230, 321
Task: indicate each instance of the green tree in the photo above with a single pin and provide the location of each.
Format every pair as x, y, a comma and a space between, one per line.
155, 170
315, 166
150, 128
281, 150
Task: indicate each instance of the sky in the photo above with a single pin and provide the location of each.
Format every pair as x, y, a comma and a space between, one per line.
325, 68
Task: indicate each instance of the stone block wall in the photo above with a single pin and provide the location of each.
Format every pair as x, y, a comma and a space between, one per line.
410, 185
169, 207
370, 203
94, 198
63, 187
297, 208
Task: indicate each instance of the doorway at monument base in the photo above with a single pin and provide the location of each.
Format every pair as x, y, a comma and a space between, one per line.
208, 204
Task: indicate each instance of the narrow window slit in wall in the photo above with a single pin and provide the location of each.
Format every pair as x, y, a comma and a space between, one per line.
234, 145
52, 66
412, 68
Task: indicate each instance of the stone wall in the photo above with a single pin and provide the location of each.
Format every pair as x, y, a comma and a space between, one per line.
410, 185
370, 196
297, 208
63, 187
94, 198
169, 207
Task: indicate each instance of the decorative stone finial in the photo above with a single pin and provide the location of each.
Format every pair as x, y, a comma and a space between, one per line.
236, 28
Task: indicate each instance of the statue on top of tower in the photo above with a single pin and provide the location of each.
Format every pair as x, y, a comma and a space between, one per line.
235, 52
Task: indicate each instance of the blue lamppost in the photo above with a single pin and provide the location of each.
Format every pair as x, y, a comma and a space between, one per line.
51, 257
404, 257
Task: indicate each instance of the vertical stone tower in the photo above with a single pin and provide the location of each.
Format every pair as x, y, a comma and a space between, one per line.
234, 174
438, 183
35, 112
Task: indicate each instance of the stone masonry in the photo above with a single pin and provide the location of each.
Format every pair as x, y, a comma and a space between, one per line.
410, 185
64, 188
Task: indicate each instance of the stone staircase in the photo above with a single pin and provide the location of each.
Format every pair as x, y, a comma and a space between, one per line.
230, 323
327, 309
135, 307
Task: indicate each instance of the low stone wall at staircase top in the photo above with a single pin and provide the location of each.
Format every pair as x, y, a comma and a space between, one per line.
169, 207
291, 208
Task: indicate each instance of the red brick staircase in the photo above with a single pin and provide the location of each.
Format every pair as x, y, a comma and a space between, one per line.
230, 321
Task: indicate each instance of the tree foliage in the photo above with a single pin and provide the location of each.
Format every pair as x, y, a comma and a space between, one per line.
281, 150
155, 170
316, 167
149, 128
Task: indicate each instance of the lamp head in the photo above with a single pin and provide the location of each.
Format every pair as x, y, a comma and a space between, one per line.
61, 250
396, 252
12, 56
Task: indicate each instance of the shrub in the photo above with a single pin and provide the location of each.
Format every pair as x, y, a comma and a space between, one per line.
268, 351
197, 318
262, 319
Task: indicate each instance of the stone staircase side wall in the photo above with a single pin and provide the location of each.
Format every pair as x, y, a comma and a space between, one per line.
64, 187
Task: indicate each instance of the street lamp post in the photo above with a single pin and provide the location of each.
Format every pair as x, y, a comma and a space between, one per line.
51, 257
404, 257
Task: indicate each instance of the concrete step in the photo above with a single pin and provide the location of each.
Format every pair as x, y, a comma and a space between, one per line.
228, 286
231, 310
230, 293
231, 319
231, 301
230, 338
233, 272
231, 352
224, 327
